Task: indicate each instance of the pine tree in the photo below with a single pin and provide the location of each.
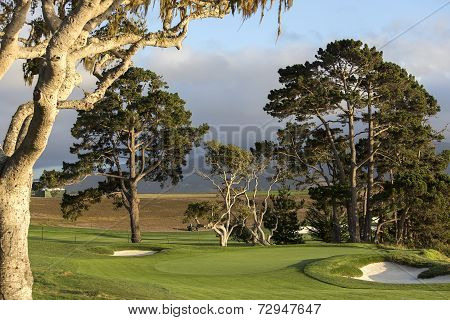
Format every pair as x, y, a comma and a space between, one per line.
282, 220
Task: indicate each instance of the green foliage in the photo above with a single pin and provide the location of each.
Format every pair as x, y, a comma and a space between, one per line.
282, 218
436, 270
320, 213
434, 255
203, 211
422, 198
227, 158
242, 233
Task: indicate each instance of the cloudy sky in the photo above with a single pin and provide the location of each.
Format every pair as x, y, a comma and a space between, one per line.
227, 67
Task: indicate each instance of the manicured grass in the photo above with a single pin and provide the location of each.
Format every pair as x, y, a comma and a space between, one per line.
76, 264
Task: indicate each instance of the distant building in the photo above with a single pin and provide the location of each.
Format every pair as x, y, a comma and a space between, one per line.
36, 191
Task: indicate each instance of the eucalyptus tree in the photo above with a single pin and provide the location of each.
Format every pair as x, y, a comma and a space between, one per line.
137, 132
229, 171
53, 37
238, 176
214, 215
262, 167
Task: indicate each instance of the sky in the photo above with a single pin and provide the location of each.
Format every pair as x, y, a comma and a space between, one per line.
227, 67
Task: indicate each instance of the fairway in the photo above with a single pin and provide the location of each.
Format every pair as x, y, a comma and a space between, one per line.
71, 263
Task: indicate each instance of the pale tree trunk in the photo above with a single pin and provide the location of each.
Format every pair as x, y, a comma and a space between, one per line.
224, 239
15, 191
262, 236
258, 234
223, 234
272, 231
16, 280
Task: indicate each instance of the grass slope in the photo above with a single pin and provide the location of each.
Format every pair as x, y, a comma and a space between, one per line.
76, 264
339, 270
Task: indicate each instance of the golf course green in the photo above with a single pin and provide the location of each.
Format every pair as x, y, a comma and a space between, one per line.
70, 263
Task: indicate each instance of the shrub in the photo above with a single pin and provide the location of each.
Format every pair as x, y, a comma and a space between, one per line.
281, 218
241, 234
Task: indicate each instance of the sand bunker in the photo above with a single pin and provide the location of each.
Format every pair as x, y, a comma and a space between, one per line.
132, 253
389, 272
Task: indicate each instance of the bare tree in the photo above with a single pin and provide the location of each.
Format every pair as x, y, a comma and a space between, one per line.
229, 172
262, 161
54, 37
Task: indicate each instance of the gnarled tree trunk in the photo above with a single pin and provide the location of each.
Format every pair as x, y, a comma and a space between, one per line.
16, 280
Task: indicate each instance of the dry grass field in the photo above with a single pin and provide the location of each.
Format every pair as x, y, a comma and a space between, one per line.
159, 212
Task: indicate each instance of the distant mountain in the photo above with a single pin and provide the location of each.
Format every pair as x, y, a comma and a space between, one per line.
191, 183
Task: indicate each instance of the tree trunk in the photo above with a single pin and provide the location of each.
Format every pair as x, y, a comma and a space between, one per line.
262, 236
352, 215
134, 215
16, 280
367, 234
401, 226
379, 230
258, 234
224, 239
336, 224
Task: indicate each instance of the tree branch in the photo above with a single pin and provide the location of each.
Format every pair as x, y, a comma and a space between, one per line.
23, 112
9, 43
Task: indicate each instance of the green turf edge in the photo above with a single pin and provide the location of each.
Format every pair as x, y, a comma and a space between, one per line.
339, 270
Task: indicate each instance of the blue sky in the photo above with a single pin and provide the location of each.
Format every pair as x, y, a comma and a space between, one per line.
226, 68
313, 21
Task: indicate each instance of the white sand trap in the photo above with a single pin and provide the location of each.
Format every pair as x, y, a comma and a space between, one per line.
132, 253
389, 272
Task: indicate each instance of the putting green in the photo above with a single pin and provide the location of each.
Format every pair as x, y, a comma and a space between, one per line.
243, 261
76, 264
